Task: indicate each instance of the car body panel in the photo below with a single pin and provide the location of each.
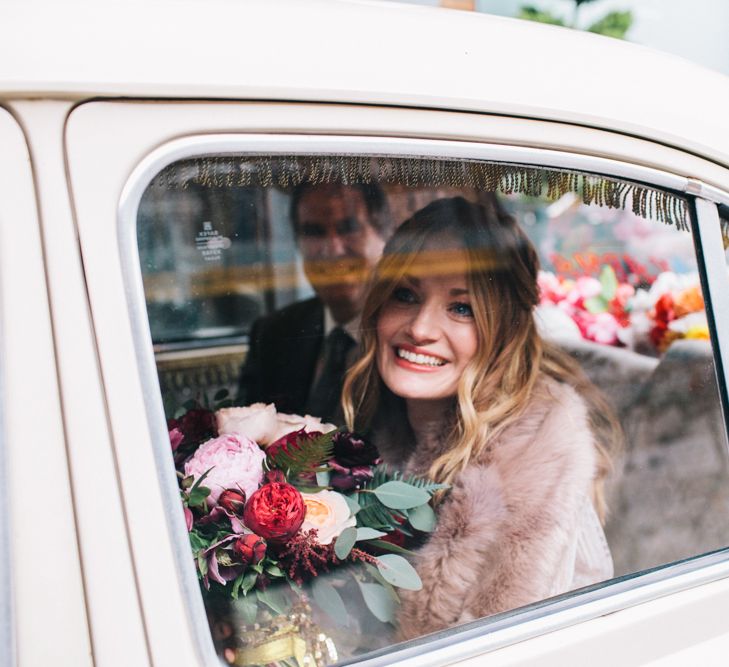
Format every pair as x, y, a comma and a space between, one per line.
396, 55
47, 587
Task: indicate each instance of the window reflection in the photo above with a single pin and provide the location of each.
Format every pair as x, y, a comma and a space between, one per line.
256, 271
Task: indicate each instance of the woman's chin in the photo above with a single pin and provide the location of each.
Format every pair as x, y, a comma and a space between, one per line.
418, 389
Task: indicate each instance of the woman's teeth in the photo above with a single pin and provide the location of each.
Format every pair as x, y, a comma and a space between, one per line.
424, 359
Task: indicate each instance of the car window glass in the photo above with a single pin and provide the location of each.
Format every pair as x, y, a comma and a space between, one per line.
530, 358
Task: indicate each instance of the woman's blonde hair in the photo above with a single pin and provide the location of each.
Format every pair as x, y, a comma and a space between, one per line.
501, 270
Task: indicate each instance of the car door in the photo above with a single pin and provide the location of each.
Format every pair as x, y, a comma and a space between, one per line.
674, 601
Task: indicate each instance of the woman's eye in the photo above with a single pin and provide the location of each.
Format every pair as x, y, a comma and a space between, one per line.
403, 295
461, 309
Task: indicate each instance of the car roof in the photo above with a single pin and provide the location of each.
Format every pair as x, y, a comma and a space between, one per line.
360, 52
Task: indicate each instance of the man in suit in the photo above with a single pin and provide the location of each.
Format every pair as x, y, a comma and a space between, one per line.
298, 355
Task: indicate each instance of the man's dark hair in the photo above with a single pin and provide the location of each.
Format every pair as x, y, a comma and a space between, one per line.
374, 198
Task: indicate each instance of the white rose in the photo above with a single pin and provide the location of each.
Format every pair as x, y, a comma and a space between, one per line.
328, 512
288, 423
258, 422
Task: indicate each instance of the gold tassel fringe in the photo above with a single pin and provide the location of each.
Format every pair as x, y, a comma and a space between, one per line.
288, 171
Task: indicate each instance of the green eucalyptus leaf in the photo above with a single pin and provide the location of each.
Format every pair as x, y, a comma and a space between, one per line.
378, 601
353, 503
328, 598
366, 533
397, 571
400, 495
221, 394
247, 607
345, 542
422, 518
273, 599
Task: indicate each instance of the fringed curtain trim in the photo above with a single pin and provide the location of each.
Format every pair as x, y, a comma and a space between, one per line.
288, 171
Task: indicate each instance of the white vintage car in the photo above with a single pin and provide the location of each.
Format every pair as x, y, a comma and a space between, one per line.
148, 150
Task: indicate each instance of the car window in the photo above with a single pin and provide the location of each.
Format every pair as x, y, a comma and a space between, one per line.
530, 402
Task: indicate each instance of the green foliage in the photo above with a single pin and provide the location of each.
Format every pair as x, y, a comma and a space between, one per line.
422, 518
400, 496
306, 456
378, 601
529, 13
614, 24
345, 542
398, 572
328, 598
374, 513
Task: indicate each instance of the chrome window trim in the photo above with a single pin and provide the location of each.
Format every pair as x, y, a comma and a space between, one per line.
714, 274
486, 634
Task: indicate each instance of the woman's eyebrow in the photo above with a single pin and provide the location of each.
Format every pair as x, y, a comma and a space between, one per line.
411, 279
458, 291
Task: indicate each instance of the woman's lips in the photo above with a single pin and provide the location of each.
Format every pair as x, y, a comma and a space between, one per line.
411, 358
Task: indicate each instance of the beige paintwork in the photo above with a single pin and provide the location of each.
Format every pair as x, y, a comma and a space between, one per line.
47, 584
360, 52
395, 73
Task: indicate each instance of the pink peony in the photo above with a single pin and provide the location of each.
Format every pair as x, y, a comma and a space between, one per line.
236, 462
257, 422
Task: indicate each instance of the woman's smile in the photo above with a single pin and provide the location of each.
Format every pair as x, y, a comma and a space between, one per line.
426, 337
417, 359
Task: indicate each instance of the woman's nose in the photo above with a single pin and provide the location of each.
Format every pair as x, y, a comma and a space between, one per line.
424, 325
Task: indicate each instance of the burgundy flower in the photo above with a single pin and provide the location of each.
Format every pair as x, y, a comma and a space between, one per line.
233, 500
275, 512
345, 480
196, 425
223, 564
250, 549
351, 451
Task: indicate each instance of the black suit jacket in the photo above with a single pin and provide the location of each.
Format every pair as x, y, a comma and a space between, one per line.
282, 356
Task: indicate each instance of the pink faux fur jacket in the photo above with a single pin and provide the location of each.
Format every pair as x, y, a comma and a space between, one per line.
510, 519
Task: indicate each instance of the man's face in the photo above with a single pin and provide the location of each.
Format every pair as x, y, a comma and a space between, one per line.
339, 247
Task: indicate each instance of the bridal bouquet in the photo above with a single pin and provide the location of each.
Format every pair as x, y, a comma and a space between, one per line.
272, 501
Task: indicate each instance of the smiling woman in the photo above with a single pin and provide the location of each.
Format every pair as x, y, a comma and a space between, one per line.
483, 403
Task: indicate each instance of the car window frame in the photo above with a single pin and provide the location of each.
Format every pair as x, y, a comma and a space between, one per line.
509, 627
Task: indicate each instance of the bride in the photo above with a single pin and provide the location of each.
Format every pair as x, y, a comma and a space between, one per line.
456, 384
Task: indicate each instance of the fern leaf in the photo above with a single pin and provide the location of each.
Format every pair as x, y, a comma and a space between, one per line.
305, 455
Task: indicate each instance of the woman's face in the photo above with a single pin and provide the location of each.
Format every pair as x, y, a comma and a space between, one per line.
426, 335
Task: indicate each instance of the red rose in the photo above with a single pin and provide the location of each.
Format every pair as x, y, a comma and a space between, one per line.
275, 512
250, 548
233, 500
